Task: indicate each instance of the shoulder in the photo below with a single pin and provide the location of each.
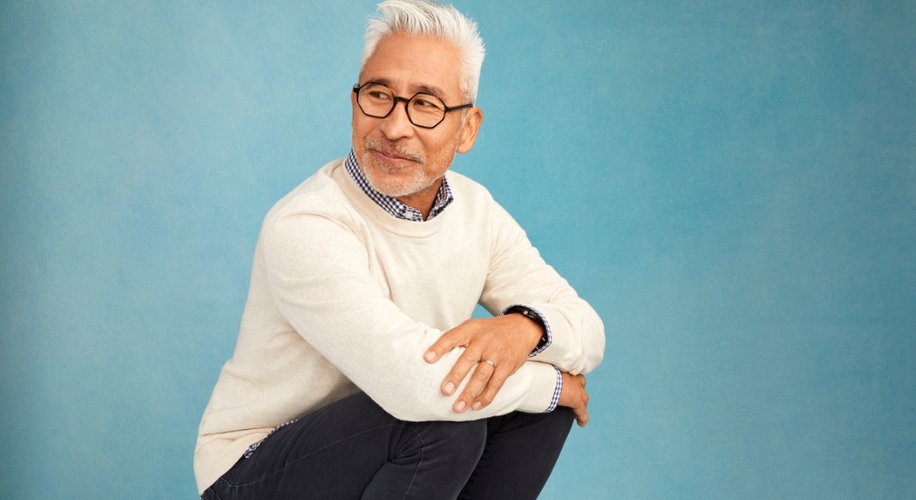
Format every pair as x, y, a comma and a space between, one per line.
463, 185
319, 195
317, 210
477, 201
471, 197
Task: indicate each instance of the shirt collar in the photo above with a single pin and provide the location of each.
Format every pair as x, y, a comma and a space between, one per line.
392, 205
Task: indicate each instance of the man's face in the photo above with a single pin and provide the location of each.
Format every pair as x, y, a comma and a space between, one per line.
399, 159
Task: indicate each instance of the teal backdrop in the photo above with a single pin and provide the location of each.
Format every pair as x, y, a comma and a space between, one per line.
732, 185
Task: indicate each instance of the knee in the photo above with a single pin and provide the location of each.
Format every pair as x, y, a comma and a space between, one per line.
556, 425
471, 435
461, 442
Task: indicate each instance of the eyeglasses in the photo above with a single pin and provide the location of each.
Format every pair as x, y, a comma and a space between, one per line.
423, 110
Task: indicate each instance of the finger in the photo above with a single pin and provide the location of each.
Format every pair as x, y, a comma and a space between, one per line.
444, 344
581, 417
495, 383
582, 411
465, 362
477, 382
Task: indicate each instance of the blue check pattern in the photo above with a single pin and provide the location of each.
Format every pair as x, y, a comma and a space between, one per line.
444, 198
392, 205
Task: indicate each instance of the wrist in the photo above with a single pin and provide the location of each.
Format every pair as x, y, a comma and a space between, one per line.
565, 398
539, 335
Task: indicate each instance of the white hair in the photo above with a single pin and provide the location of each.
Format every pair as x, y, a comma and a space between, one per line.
427, 18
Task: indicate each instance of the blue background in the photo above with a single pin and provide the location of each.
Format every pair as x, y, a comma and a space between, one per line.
732, 185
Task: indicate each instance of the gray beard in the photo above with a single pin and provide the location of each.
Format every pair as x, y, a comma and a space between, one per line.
417, 181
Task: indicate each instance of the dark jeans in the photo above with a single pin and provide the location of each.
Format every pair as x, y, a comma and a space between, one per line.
352, 449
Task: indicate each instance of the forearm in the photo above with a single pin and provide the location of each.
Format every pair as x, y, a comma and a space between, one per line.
329, 297
576, 333
519, 276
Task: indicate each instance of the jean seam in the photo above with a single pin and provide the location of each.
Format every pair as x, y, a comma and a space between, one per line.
212, 492
419, 464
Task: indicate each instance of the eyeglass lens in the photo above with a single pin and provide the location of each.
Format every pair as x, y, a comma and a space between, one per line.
423, 110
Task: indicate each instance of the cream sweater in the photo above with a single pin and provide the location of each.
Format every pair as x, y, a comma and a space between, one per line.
344, 297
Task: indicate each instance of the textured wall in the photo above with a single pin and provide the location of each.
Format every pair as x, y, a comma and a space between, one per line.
732, 185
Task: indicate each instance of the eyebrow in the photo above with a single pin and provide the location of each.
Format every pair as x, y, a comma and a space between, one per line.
426, 89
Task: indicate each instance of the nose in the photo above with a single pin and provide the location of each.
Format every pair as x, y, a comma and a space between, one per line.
397, 124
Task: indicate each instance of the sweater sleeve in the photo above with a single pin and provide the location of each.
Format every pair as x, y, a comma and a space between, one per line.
518, 275
320, 280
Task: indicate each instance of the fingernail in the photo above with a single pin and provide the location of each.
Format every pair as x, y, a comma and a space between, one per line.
449, 387
430, 355
477, 405
459, 406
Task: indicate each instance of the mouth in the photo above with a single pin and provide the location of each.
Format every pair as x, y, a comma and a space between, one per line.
392, 156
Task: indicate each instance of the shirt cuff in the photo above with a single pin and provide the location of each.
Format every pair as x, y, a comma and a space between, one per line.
556, 392
534, 314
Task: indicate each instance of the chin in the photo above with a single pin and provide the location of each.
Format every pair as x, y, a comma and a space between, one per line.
396, 189
395, 182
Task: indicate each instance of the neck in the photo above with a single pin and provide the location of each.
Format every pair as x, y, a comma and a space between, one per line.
422, 200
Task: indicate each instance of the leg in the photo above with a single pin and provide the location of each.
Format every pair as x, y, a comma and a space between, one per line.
352, 449
521, 451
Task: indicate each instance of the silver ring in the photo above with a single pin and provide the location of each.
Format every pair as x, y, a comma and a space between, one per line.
491, 363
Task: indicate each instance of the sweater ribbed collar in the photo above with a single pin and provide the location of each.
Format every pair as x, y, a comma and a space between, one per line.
381, 218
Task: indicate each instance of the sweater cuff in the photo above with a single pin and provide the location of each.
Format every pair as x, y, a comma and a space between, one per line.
546, 385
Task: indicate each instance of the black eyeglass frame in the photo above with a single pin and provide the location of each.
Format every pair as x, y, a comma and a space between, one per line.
357, 87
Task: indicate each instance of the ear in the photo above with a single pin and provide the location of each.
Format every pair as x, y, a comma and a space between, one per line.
354, 106
468, 133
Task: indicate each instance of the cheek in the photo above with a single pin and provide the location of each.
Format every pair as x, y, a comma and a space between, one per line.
354, 121
446, 142
354, 110
441, 157
361, 130
360, 123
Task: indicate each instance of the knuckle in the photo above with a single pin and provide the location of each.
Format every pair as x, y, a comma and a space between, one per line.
480, 375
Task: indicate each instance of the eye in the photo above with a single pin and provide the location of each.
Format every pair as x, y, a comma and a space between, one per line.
378, 95
426, 103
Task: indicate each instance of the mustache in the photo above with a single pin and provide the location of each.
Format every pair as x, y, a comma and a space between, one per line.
391, 148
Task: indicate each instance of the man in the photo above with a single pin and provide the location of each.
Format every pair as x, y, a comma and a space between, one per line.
357, 373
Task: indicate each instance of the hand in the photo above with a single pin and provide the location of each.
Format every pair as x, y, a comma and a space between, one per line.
575, 397
505, 341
